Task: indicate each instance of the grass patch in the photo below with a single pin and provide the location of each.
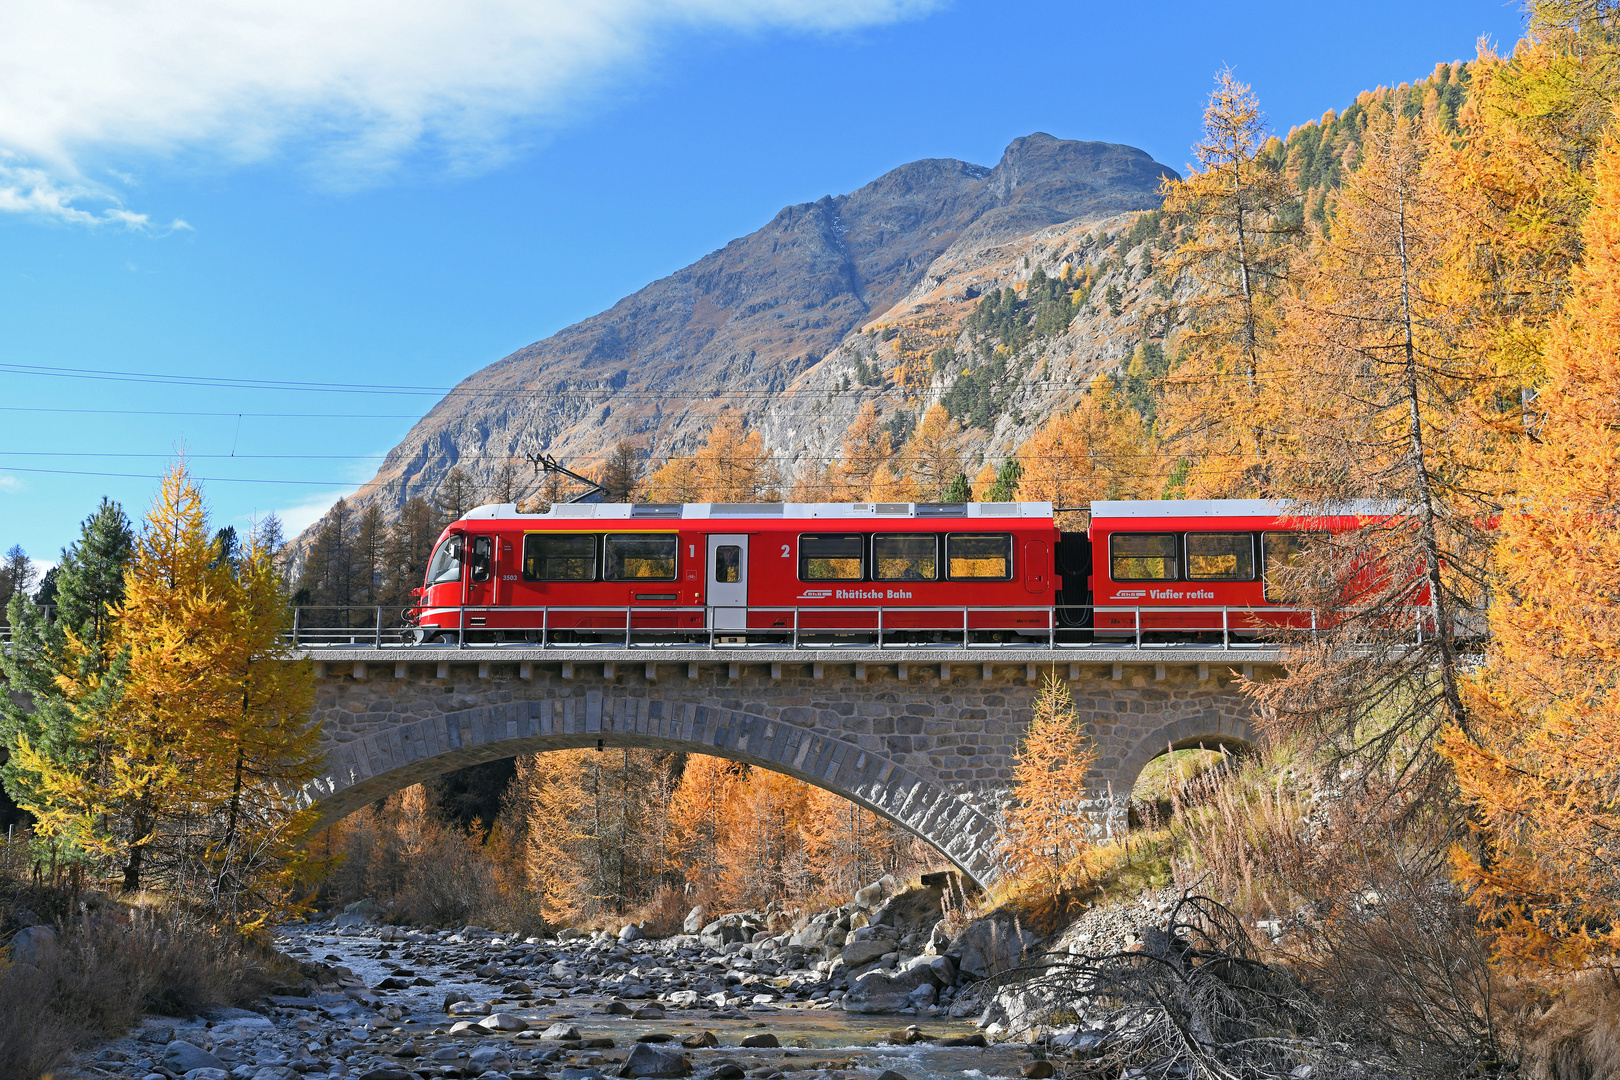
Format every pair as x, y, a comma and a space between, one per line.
113, 963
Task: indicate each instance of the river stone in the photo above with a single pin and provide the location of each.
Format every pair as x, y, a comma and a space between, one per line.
631, 932
502, 1022
702, 1040
648, 1012
694, 919
181, 1057
765, 1041
650, 1060
561, 1033
881, 992
683, 999
991, 945
33, 945
207, 1074
859, 953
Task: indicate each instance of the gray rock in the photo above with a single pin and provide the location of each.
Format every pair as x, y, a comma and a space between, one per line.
491, 1057
873, 895
561, 1033
859, 953
33, 945
502, 1022
991, 945
207, 1074
631, 932
944, 969
274, 1072
181, 1057
881, 992
694, 919
648, 1059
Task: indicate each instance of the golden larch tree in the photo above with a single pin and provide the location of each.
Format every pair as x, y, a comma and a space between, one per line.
1046, 826
1539, 762
1217, 410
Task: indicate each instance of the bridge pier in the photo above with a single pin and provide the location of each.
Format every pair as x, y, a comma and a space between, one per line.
925, 742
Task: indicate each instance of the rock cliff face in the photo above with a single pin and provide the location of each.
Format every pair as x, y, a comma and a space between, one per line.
744, 324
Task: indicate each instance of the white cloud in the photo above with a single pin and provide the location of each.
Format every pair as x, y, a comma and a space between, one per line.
34, 191
351, 85
10, 484
306, 512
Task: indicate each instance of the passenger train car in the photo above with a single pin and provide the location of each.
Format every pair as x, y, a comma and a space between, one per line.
812, 574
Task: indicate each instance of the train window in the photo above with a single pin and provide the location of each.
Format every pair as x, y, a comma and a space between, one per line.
1220, 556
832, 558
481, 551
905, 557
559, 557
1144, 557
978, 556
728, 564
640, 556
1280, 553
446, 565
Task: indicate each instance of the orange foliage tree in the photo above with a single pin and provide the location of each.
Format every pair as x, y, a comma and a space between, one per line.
1540, 768
1099, 449
1046, 827
733, 466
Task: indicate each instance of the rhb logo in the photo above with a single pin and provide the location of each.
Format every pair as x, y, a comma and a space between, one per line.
1130, 594
815, 594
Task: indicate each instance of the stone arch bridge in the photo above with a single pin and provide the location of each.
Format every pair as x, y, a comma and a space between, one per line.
923, 737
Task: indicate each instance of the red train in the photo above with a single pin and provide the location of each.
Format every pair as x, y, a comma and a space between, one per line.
808, 574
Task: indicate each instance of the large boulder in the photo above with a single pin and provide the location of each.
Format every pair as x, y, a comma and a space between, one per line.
860, 953
872, 896
886, 991
33, 945
991, 945
631, 932
694, 919
651, 1060
181, 1057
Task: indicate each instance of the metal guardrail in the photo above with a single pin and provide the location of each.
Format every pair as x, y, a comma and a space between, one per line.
365, 625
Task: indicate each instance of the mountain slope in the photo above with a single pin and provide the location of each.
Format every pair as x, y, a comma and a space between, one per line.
751, 318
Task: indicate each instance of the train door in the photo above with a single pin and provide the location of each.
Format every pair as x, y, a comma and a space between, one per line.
728, 581
1037, 573
480, 578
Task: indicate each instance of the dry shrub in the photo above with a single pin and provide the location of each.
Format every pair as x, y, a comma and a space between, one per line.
1577, 1036
664, 913
426, 873
114, 964
1245, 833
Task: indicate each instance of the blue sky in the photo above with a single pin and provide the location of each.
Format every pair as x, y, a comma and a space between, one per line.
390, 192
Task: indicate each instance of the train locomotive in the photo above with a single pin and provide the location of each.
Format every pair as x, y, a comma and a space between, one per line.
883, 574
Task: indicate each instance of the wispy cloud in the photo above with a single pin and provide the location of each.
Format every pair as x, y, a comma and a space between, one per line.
300, 515
34, 191
11, 484
349, 86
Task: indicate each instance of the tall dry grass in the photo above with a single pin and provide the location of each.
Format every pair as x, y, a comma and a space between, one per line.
113, 964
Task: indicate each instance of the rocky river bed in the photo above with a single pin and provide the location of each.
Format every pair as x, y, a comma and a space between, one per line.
873, 990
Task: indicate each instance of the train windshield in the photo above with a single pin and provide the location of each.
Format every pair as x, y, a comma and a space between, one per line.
446, 564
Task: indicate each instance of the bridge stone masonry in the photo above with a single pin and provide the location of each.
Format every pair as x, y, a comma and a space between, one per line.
924, 737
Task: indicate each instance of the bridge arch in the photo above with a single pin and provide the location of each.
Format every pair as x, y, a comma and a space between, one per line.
377, 765
1236, 734
924, 739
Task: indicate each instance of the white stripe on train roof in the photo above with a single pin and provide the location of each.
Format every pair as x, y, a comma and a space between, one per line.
1158, 508
654, 512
